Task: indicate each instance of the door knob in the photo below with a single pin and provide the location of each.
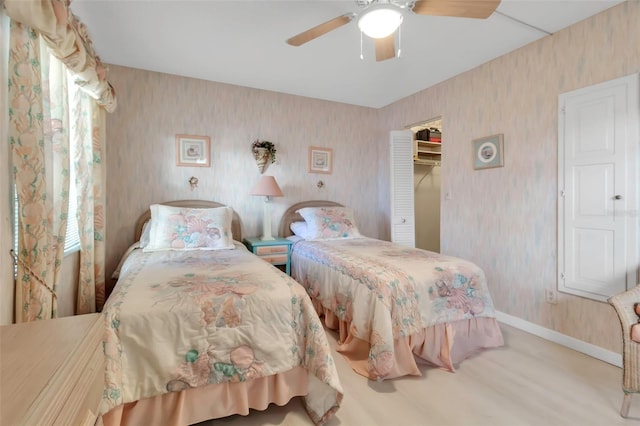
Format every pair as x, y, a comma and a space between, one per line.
618, 197
404, 220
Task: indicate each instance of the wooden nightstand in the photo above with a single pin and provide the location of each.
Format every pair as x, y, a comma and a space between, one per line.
277, 251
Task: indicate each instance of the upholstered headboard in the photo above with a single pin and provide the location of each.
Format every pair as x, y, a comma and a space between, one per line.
236, 227
290, 214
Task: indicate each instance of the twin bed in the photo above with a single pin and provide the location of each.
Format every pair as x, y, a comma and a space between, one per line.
388, 302
197, 327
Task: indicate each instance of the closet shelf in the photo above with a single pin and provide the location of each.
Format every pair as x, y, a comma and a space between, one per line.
426, 162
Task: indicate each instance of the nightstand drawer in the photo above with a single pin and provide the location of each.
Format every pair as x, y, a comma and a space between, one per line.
276, 259
272, 249
276, 251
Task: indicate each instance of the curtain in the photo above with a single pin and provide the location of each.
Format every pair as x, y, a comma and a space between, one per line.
56, 108
68, 39
38, 135
87, 130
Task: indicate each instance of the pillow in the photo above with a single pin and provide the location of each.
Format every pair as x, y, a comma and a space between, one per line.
330, 222
144, 236
301, 230
181, 228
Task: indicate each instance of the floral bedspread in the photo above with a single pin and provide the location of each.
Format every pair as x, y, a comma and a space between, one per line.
388, 291
183, 319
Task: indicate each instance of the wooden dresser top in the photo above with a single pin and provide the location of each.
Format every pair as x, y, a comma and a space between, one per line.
38, 361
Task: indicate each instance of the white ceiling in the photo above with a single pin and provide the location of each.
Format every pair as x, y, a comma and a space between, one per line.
242, 42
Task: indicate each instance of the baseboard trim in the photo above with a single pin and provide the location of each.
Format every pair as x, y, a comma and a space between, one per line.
561, 339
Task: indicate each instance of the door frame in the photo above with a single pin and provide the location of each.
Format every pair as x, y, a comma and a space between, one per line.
632, 211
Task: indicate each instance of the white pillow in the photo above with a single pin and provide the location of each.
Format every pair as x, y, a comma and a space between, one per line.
181, 228
330, 222
145, 235
301, 230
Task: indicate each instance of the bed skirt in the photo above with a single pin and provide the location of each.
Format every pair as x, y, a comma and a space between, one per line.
441, 345
213, 401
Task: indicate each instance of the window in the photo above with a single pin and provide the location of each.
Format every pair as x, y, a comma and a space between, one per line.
72, 238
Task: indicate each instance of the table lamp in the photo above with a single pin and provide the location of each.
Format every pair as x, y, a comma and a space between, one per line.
267, 187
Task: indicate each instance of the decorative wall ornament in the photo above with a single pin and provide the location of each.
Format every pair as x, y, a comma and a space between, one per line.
320, 160
194, 151
262, 152
488, 152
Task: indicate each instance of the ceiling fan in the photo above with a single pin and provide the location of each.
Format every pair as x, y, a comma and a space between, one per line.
381, 18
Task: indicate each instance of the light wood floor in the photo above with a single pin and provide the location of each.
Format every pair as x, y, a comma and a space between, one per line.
530, 381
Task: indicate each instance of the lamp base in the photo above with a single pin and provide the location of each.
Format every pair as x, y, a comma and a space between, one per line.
266, 222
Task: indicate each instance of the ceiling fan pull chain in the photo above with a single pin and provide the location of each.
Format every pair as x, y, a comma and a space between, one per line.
361, 55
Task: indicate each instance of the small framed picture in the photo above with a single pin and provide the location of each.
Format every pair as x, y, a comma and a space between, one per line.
194, 151
320, 160
488, 152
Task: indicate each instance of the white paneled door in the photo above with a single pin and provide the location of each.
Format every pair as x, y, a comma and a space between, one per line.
403, 226
598, 158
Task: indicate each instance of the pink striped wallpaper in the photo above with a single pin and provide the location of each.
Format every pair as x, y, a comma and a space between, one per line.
154, 107
504, 219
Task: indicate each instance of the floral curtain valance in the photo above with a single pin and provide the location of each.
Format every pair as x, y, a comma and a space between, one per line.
69, 41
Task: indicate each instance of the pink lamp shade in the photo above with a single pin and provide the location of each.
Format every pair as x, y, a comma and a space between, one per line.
267, 186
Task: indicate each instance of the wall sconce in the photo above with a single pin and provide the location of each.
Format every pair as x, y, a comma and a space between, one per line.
193, 181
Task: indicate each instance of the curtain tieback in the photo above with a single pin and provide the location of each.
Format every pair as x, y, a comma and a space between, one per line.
17, 260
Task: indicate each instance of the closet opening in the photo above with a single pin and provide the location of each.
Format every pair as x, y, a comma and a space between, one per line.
427, 160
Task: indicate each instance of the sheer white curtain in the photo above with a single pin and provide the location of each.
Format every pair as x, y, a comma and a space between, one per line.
6, 189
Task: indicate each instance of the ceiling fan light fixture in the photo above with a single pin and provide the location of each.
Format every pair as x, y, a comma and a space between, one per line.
380, 20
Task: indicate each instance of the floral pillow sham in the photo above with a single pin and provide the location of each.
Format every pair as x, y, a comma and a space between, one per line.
330, 222
180, 228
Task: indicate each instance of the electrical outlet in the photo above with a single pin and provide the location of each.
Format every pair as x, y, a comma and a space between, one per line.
551, 296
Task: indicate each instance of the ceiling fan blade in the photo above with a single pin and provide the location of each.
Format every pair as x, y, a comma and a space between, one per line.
321, 29
385, 48
480, 9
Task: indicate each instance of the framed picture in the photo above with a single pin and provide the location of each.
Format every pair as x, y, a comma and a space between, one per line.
194, 151
488, 152
320, 160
